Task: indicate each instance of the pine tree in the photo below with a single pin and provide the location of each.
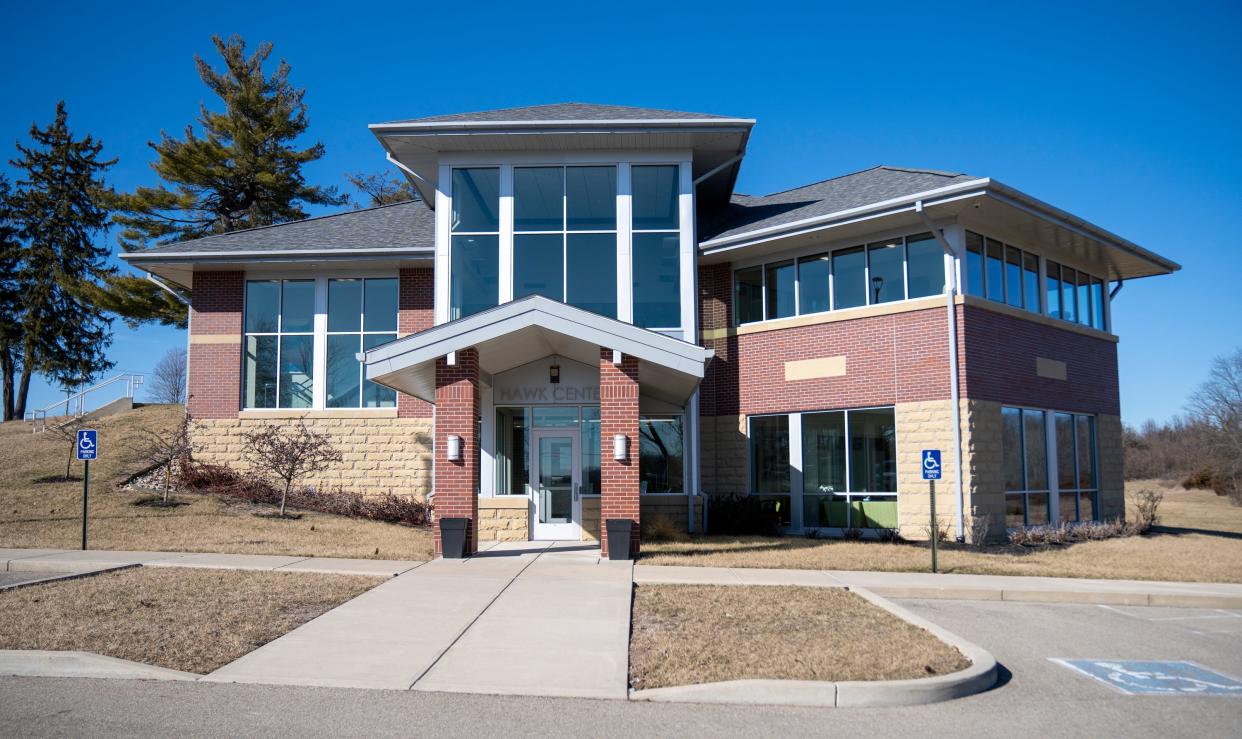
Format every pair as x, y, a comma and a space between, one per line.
58, 209
10, 298
243, 171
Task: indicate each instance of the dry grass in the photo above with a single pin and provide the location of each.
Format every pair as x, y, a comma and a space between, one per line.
48, 514
686, 634
1198, 539
183, 619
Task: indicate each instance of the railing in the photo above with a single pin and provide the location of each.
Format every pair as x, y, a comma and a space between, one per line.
75, 405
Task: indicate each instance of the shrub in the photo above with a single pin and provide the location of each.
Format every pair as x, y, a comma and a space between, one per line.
979, 526
1072, 533
741, 515
661, 528
289, 454
1146, 509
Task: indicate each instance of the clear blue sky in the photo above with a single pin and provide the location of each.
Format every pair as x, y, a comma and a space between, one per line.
1128, 115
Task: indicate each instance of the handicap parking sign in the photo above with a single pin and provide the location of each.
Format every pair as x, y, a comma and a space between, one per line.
1147, 677
931, 464
87, 448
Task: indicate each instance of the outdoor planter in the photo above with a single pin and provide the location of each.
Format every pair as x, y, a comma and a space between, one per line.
619, 533
453, 537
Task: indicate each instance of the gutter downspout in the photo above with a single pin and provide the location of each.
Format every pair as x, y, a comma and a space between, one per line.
950, 295
405, 169
1120, 284
180, 298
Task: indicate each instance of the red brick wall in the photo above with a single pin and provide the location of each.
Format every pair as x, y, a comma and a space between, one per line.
457, 407
1000, 364
618, 414
415, 312
215, 369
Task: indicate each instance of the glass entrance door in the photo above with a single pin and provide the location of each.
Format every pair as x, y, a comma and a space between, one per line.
556, 472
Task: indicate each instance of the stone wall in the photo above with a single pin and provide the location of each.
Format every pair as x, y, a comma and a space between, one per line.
505, 518
1111, 467
380, 454
928, 424
722, 441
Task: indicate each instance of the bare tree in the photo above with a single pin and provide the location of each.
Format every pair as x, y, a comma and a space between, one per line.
164, 449
168, 377
289, 453
383, 188
67, 430
1217, 405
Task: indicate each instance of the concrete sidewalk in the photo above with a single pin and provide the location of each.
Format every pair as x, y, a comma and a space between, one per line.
964, 587
65, 560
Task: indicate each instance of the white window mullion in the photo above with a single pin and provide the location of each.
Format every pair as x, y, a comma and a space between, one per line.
689, 267
319, 362
625, 276
1054, 475
795, 470
505, 267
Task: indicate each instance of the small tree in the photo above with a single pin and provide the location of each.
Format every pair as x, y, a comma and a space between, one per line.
288, 454
168, 378
165, 448
67, 430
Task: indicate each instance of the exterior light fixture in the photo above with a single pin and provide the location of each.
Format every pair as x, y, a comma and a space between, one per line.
619, 443
453, 450
554, 373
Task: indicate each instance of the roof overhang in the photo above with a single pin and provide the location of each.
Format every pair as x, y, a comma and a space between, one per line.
417, 146
517, 333
983, 204
179, 267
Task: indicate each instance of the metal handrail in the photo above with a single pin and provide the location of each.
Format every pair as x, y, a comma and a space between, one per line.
75, 404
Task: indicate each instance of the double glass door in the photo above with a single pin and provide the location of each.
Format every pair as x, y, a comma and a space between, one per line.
556, 472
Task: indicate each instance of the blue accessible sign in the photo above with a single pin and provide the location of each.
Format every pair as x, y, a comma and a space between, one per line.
931, 464
87, 448
1154, 677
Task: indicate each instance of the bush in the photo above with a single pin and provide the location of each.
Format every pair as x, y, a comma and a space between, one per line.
1146, 509
743, 516
1072, 533
660, 528
221, 480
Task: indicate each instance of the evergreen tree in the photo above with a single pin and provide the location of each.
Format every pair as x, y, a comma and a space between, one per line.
10, 298
243, 171
58, 210
383, 188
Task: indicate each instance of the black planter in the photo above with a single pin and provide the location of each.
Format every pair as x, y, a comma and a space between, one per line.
619, 538
453, 537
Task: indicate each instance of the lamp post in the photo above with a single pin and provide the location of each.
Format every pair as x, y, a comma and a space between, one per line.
876, 284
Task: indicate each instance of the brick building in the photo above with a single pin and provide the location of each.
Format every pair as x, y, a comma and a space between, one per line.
581, 321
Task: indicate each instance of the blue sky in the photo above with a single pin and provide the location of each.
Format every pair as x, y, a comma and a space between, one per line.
1125, 114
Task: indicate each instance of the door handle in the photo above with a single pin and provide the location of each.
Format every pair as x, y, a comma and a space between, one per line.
575, 492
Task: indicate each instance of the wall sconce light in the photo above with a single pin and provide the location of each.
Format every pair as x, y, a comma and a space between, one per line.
619, 443
554, 373
453, 452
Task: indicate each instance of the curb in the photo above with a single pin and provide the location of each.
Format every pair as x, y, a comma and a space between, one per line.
55, 577
1078, 597
980, 676
41, 663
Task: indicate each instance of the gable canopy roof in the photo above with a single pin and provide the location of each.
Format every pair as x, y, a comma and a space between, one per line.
717, 142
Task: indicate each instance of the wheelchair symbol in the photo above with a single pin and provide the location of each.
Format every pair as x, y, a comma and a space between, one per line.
930, 463
86, 443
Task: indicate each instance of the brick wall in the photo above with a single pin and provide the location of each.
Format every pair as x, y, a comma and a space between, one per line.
415, 313
215, 344
457, 407
618, 414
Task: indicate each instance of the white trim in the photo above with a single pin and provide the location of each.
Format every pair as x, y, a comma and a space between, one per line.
628, 123
562, 158
227, 256
686, 253
505, 213
625, 243
319, 361
444, 205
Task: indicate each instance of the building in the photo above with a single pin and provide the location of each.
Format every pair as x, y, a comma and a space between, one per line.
581, 320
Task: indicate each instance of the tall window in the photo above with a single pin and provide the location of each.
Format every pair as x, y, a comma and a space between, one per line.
1034, 493
565, 235
474, 244
661, 462
769, 455
656, 250
849, 469
278, 366
362, 314
886, 271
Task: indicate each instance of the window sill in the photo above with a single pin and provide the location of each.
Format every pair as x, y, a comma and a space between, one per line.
272, 413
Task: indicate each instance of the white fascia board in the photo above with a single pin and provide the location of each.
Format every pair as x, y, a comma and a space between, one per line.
621, 123
717, 244
182, 256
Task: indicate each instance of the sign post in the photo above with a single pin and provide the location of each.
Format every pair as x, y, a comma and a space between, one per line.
87, 450
931, 472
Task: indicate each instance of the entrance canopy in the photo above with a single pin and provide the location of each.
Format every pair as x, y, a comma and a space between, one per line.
528, 329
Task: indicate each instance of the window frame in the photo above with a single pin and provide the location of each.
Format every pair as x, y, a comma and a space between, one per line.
362, 333
1054, 488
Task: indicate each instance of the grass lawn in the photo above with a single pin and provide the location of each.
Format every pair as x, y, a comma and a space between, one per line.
39, 509
183, 619
685, 634
1199, 539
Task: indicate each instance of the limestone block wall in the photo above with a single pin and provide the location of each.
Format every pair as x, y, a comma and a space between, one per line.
928, 424
1111, 467
590, 519
722, 440
982, 466
505, 518
381, 454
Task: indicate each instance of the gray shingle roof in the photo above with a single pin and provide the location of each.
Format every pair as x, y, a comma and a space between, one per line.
746, 213
408, 225
567, 112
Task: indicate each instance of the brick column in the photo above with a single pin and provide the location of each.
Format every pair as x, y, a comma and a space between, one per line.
618, 414
216, 344
457, 407
414, 314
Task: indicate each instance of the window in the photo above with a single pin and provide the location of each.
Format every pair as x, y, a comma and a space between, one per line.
656, 250
661, 461
1030, 282
512, 450
769, 455
887, 271
474, 244
1034, 494
1013, 277
362, 314
278, 366
994, 275
1068, 294
565, 238
974, 264
1054, 289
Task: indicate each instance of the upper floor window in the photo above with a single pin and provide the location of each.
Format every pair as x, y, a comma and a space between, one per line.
656, 250
1075, 296
1006, 274
565, 235
474, 242
880, 272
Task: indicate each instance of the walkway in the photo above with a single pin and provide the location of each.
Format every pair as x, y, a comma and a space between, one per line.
535, 618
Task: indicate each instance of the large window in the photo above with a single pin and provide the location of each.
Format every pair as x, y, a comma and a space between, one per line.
881, 272
1075, 296
1040, 489
362, 314
474, 244
565, 235
656, 248
661, 462
848, 471
278, 366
